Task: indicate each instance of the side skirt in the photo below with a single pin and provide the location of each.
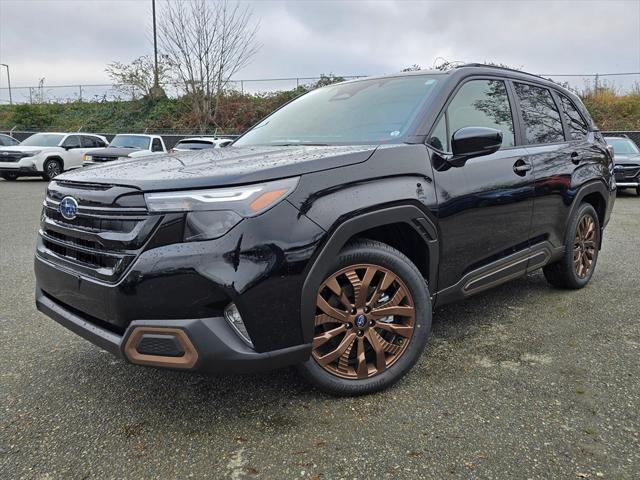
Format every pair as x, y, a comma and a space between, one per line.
501, 271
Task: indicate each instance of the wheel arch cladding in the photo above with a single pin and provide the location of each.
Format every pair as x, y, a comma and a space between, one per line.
378, 223
594, 193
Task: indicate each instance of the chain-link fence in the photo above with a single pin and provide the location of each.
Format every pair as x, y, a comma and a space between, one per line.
109, 92
621, 82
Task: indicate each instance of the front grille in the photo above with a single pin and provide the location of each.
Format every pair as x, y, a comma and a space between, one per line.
626, 171
10, 157
103, 158
100, 242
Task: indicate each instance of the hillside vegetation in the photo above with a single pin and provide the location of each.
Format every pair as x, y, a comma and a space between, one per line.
236, 113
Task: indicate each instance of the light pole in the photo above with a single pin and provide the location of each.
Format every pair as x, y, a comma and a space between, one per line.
8, 82
155, 46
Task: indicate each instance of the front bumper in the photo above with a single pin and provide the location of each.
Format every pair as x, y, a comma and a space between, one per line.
216, 347
19, 169
259, 265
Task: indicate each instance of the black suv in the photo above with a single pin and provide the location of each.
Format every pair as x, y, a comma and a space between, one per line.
325, 235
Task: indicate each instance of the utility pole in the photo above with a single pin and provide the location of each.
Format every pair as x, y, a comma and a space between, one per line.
596, 84
8, 82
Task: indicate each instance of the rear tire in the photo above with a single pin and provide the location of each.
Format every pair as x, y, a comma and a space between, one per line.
582, 244
10, 177
373, 317
52, 168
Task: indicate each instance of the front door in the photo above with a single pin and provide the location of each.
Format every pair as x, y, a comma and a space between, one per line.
485, 207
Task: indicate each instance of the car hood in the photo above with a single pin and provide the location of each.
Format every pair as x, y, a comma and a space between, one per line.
633, 158
220, 166
25, 148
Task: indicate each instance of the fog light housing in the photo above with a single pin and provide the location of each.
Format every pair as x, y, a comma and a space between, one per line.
232, 315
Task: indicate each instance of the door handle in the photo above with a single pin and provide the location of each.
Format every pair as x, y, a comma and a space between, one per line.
576, 157
521, 167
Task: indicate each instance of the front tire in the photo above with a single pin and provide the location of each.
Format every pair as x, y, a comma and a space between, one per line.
582, 244
52, 168
373, 317
10, 177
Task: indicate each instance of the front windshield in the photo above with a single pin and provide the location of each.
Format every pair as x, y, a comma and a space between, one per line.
622, 146
130, 141
365, 111
43, 140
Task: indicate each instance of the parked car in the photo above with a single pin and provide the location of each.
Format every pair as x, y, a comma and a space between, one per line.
127, 146
627, 162
329, 232
7, 141
201, 143
47, 154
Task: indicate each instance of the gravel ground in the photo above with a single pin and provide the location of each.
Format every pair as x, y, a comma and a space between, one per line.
520, 382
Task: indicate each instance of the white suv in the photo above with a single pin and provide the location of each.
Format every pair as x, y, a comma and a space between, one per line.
47, 154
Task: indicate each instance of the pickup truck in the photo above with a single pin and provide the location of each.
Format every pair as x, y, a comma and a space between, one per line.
126, 146
47, 154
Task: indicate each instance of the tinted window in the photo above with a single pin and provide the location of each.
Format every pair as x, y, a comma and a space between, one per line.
91, 142
438, 139
362, 111
482, 103
577, 126
72, 141
156, 146
542, 122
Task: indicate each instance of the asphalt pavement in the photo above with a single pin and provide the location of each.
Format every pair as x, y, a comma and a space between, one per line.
523, 381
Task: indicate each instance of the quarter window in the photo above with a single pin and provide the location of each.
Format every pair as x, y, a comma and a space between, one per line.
438, 139
577, 126
156, 146
541, 117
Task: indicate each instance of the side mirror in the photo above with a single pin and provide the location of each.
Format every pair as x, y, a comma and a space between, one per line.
471, 142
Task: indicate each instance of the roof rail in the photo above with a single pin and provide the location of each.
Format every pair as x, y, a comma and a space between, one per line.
500, 68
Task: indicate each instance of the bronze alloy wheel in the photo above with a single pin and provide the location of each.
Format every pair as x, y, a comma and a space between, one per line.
365, 318
584, 247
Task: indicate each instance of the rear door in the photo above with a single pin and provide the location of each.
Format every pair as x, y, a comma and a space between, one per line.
554, 156
484, 207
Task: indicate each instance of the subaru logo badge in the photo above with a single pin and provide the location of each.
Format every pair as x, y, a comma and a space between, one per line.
68, 208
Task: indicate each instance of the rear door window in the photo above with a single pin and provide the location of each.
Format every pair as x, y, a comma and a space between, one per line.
541, 117
577, 126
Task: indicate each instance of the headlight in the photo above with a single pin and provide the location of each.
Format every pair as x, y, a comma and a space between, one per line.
32, 153
213, 212
247, 201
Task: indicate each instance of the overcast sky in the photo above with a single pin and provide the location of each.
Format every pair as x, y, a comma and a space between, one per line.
70, 42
